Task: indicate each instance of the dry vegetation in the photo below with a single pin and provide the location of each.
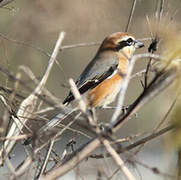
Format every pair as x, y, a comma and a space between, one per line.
40, 138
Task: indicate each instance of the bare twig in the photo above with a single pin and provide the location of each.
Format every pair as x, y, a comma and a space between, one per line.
56, 120
80, 45
22, 169
137, 143
18, 42
29, 104
162, 121
138, 74
74, 161
155, 40
122, 92
146, 73
5, 2
11, 167
9, 91
118, 160
60, 132
16, 138
155, 170
152, 48
130, 15
90, 147
88, 44
167, 113
160, 82
84, 151
44, 164
8, 106
148, 138
77, 96
82, 104
25, 44
126, 80
28, 71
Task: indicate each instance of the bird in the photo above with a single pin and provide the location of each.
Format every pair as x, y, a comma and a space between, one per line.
101, 80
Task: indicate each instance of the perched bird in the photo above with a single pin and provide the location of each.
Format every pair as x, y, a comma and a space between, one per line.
101, 80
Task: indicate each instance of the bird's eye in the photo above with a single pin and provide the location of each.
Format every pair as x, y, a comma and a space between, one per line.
130, 41
125, 43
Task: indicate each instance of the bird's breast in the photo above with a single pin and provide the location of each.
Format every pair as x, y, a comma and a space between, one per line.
106, 92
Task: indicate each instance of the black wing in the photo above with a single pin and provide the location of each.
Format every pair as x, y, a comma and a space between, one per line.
92, 75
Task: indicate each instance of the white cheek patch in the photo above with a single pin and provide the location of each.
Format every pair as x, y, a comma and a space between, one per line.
128, 50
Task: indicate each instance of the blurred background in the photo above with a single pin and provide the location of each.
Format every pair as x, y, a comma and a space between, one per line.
38, 23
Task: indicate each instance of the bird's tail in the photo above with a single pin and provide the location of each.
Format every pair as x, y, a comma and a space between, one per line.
53, 122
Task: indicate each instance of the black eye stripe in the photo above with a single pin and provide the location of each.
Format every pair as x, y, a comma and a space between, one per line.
125, 43
130, 40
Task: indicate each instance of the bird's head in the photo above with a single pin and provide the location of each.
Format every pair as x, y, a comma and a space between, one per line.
122, 43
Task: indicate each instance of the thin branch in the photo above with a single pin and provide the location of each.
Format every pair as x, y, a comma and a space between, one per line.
77, 96
125, 83
167, 113
46, 53
28, 71
89, 147
10, 166
138, 74
130, 15
10, 90
137, 143
29, 104
80, 45
16, 138
82, 153
122, 92
8, 107
118, 160
162, 120
153, 46
25, 44
5, 2
44, 164
155, 170
44, 111
146, 73
82, 104
22, 169
148, 138
41, 97
88, 44
113, 174
157, 85
75, 160
56, 120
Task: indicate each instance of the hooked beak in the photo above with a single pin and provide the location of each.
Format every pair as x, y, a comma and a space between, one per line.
138, 44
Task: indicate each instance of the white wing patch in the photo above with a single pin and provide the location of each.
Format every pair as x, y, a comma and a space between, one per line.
115, 71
